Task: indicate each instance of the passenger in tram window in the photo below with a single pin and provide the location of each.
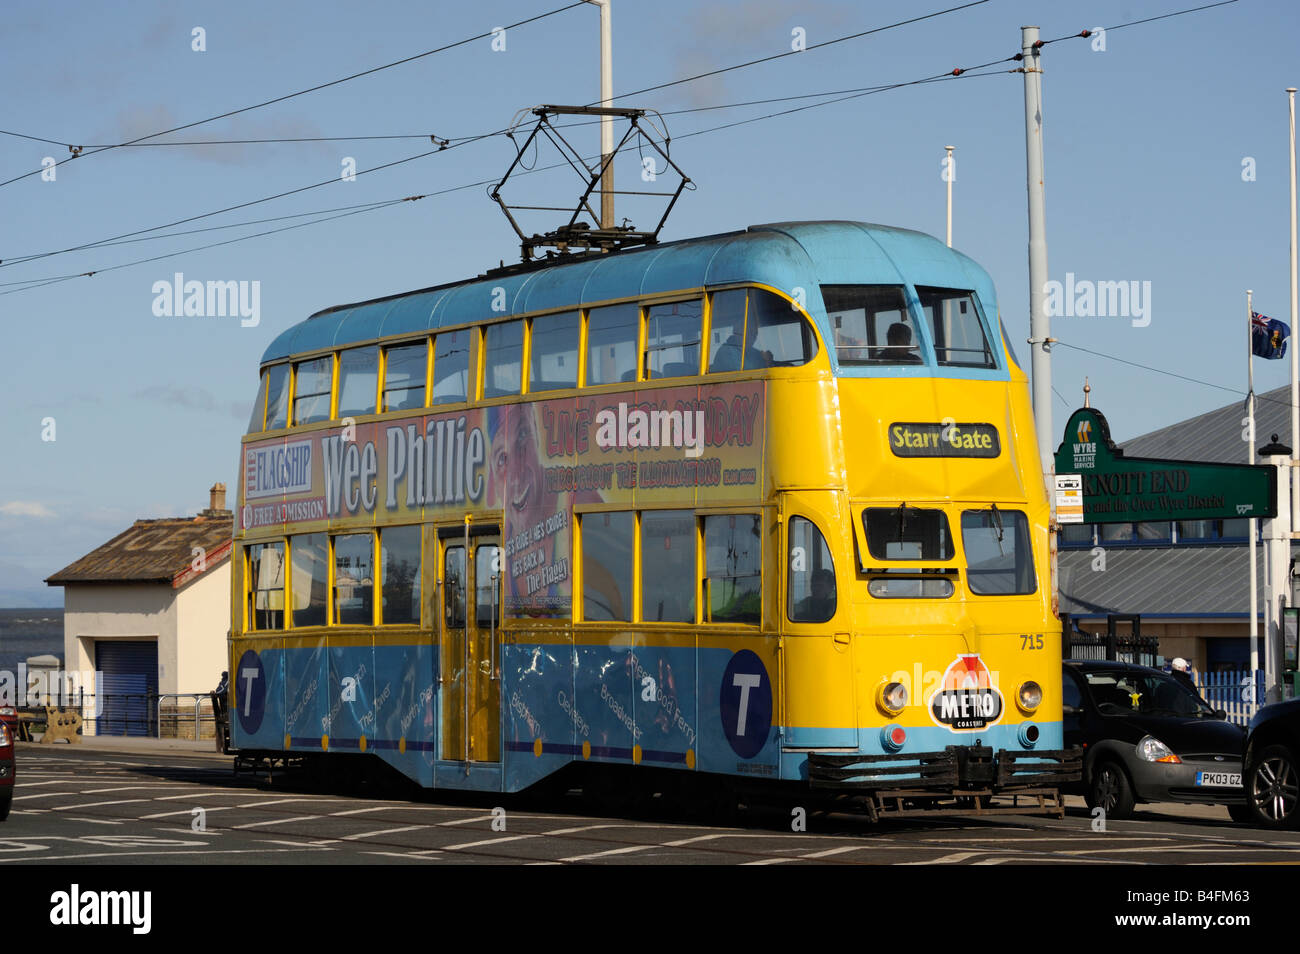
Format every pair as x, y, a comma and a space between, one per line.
820, 606
901, 350
733, 350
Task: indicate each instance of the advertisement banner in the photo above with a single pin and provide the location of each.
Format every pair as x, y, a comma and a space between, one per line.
534, 462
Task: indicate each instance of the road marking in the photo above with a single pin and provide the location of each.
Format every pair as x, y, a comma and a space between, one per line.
383, 831
120, 801
574, 831
277, 821
19, 798
947, 859
292, 844
185, 811
487, 841
839, 851
96, 821
420, 856
172, 798
121, 788
467, 821
612, 851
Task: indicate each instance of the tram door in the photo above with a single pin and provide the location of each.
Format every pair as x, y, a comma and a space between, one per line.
471, 595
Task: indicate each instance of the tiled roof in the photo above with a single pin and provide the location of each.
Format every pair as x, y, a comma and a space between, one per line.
156, 551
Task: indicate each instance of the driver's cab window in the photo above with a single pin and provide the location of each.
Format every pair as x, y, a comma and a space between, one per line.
811, 597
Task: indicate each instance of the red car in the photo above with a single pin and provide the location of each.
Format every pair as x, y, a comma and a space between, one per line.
6, 769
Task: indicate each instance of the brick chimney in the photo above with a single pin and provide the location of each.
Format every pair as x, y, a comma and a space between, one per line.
216, 502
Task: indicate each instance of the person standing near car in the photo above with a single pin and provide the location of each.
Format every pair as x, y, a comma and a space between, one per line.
1179, 670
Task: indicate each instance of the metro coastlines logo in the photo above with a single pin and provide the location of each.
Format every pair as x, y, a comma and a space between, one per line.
967, 698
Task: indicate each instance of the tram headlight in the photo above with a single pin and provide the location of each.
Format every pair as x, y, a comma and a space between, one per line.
1151, 749
892, 697
1029, 697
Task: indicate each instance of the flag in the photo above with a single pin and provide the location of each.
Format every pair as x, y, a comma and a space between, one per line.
1268, 336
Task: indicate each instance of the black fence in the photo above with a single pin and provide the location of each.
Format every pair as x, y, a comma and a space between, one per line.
1131, 647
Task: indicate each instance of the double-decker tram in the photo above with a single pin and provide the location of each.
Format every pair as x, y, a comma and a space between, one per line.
759, 509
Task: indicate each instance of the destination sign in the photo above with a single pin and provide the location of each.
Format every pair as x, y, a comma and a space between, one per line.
1119, 489
944, 440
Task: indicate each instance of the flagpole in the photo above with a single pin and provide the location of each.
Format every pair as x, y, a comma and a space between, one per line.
1251, 533
1295, 356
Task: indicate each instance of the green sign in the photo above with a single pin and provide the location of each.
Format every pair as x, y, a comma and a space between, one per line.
1119, 489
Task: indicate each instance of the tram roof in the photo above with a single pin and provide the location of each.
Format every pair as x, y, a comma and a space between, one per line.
785, 255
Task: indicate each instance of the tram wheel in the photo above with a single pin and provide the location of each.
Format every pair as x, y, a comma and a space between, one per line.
1110, 790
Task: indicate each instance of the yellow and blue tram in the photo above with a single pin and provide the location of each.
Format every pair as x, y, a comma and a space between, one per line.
763, 507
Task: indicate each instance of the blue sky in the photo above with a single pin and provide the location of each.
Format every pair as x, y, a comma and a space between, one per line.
1145, 144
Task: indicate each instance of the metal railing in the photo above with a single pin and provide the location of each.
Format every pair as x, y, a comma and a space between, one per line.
139, 713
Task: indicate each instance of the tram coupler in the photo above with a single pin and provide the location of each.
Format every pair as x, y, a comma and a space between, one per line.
960, 780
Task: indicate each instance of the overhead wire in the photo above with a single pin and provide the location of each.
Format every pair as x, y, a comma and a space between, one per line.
450, 143
37, 283
78, 153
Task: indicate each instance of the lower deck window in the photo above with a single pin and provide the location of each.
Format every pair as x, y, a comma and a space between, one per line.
266, 586
607, 566
668, 546
309, 556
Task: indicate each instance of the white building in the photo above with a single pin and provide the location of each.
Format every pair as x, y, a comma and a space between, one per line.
150, 611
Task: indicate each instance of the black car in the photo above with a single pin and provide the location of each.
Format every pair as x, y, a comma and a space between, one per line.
1148, 737
1272, 762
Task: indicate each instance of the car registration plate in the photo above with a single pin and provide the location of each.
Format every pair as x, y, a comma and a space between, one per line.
1219, 779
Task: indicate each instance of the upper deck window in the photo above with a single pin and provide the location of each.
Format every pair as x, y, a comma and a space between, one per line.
907, 533
954, 321
256, 418
404, 372
999, 558
451, 367
672, 340
871, 325
277, 396
553, 358
311, 394
503, 353
613, 334
752, 328
358, 381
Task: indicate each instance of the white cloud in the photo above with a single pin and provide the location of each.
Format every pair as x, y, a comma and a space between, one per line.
25, 508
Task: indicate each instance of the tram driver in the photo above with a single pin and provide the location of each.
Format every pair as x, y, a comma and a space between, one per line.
820, 606
901, 349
